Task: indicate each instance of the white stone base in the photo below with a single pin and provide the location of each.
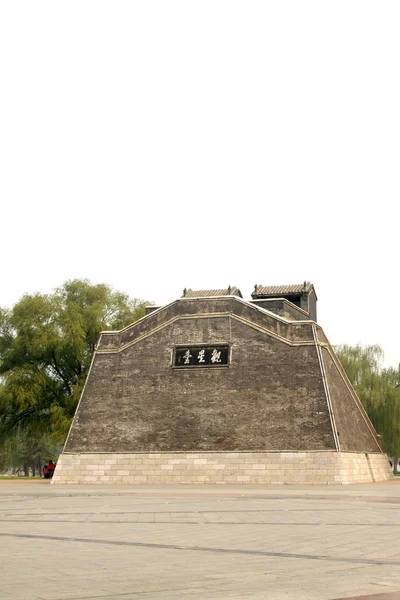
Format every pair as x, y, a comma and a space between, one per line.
223, 467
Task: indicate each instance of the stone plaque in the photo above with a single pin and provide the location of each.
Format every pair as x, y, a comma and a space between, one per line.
201, 356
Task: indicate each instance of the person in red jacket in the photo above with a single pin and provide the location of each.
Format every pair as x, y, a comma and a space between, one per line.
50, 468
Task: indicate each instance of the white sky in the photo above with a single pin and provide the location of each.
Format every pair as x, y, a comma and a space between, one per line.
161, 145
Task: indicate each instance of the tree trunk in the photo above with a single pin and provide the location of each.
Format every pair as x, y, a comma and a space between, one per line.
39, 466
26, 469
395, 464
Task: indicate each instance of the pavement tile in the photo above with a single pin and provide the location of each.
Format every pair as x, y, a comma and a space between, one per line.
199, 542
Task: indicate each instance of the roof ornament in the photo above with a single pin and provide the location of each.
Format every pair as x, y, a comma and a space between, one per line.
184, 292
255, 288
229, 290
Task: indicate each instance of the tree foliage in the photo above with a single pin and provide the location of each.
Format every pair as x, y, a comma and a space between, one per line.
27, 453
378, 390
46, 346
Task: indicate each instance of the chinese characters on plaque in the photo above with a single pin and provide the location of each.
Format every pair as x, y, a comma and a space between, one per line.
201, 356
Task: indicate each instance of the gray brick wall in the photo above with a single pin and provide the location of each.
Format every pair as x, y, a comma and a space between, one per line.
271, 397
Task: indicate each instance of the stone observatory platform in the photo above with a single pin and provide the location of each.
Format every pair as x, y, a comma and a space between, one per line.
212, 388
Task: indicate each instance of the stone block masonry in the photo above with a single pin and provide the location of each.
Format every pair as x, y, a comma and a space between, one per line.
278, 409
223, 468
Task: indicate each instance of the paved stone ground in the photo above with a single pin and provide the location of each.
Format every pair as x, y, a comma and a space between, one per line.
199, 542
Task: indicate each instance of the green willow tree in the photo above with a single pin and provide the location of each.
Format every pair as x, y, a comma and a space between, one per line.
378, 390
46, 346
25, 453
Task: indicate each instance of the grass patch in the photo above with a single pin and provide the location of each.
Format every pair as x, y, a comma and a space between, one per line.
19, 477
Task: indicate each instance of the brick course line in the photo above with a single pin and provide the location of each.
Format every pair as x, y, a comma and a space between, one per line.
384, 596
